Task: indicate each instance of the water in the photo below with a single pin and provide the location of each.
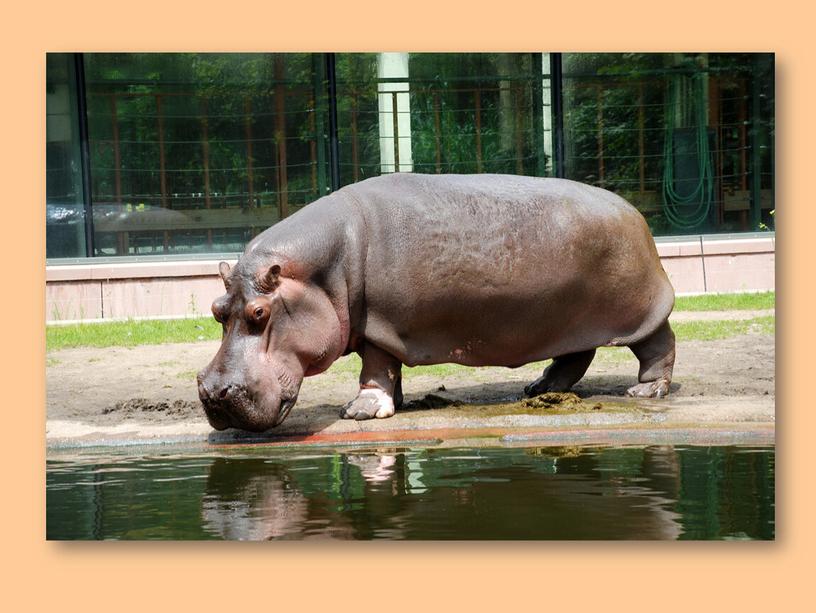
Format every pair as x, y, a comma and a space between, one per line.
423, 493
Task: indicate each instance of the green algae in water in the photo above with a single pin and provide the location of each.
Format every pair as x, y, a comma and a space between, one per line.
575, 492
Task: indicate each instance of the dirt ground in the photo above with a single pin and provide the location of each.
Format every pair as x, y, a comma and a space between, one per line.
98, 394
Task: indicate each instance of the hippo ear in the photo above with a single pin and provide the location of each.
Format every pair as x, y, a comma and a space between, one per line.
224, 271
271, 279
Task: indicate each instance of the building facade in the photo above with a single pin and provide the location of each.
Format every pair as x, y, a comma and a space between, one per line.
158, 164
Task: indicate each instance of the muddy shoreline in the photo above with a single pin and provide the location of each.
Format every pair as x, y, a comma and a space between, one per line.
147, 394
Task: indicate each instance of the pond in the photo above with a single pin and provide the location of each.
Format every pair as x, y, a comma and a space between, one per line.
263, 493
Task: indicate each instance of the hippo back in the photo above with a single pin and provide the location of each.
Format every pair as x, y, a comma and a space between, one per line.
503, 270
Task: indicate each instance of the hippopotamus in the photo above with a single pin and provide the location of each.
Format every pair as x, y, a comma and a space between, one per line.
480, 270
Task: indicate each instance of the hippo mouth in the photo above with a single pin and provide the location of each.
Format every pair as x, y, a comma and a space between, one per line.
244, 413
285, 407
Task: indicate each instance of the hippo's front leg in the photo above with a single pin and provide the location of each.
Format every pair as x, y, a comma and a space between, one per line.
380, 386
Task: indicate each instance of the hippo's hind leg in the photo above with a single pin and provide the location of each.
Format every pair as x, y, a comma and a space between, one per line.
380, 386
562, 374
656, 355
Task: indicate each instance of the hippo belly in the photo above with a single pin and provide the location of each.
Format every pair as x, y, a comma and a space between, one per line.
494, 270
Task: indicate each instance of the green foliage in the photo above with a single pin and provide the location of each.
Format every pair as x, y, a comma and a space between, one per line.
725, 302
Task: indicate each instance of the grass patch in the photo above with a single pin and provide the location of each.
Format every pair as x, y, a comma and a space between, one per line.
715, 330
726, 302
132, 333
155, 332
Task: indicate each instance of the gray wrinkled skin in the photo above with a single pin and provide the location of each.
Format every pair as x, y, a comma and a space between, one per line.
424, 269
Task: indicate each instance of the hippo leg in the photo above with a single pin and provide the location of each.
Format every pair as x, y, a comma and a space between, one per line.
656, 355
380, 386
562, 374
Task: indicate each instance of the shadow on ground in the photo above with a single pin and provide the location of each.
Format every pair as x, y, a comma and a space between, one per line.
598, 394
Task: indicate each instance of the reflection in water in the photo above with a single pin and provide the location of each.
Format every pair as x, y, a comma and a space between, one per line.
259, 505
493, 493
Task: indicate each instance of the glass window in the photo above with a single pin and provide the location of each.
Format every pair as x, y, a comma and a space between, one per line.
442, 113
64, 207
687, 138
195, 153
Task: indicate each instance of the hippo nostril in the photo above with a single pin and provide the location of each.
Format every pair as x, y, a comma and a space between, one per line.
223, 393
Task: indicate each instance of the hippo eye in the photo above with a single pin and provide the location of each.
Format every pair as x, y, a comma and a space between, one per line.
257, 312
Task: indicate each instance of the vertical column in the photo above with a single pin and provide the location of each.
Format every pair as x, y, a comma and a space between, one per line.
557, 112
280, 135
543, 115
162, 172
85, 152
334, 145
600, 123
437, 133
319, 112
641, 140
394, 113
121, 237
205, 160
756, 145
477, 111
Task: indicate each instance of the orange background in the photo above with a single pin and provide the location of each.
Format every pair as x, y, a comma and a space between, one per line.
397, 576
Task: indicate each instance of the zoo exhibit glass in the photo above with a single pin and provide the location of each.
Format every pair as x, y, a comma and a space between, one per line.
686, 138
443, 113
64, 205
196, 153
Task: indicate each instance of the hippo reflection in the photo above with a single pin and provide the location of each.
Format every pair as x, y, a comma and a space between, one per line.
435, 493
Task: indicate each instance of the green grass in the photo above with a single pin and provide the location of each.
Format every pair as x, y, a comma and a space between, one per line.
154, 332
726, 302
131, 333
715, 330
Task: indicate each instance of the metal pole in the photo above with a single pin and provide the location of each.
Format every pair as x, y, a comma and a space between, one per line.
478, 111
756, 152
395, 115
771, 132
319, 112
538, 113
558, 112
437, 133
280, 135
334, 145
84, 153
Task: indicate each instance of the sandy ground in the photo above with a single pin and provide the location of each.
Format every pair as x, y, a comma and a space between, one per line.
148, 394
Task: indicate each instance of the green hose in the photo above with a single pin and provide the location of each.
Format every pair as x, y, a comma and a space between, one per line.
689, 211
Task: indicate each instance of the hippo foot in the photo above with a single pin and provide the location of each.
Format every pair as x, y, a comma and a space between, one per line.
545, 384
650, 389
370, 403
539, 386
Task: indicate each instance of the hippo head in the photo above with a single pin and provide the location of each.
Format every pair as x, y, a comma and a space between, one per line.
278, 326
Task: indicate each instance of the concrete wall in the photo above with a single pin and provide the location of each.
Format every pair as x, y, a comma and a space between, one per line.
186, 289
718, 265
